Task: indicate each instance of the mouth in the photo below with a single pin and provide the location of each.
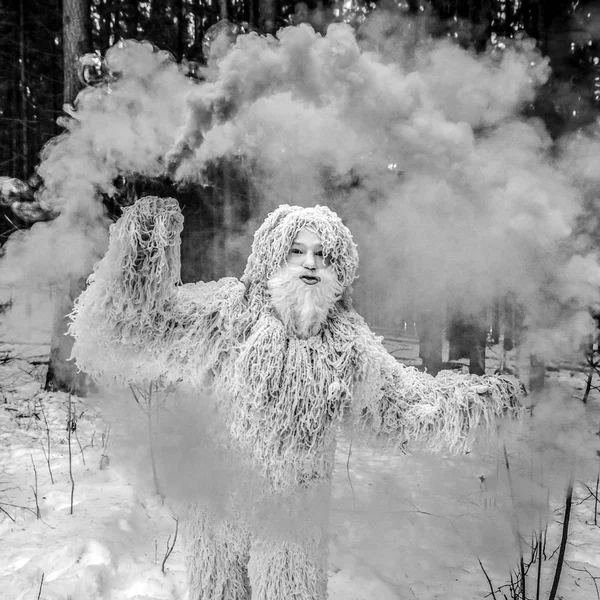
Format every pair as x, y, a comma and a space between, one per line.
310, 279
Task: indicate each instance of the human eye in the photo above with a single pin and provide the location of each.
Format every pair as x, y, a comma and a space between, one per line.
295, 251
319, 253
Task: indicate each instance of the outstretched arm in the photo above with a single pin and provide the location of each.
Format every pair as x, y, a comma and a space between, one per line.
403, 404
133, 323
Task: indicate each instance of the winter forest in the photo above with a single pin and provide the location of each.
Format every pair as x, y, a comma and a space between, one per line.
458, 140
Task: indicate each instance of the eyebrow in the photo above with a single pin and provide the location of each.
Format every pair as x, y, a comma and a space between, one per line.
304, 245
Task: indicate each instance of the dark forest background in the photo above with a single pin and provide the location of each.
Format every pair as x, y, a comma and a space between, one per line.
42, 43
42, 40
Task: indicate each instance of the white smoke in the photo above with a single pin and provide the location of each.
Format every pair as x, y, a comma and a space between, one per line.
463, 194
122, 127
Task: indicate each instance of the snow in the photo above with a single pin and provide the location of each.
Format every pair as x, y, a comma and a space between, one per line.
402, 525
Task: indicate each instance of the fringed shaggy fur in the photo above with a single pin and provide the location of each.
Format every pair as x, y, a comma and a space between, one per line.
217, 557
225, 561
287, 378
403, 405
134, 323
288, 569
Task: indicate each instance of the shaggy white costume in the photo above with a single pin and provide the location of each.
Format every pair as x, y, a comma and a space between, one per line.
288, 362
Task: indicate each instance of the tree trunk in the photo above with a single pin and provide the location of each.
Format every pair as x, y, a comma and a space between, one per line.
76, 42
23, 92
537, 374
105, 27
181, 29
252, 13
198, 24
431, 339
118, 21
477, 352
133, 19
542, 36
267, 15
223, 9
14, 113
467, 339
62, 374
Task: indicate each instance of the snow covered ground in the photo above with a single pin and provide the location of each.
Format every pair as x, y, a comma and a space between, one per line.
403, 526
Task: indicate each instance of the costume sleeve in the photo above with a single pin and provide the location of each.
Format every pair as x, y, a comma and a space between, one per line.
404, 405
134, 323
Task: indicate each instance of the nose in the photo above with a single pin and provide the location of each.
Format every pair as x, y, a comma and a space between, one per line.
309, 261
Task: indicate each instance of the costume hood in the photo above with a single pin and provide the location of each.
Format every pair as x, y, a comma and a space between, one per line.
273, 241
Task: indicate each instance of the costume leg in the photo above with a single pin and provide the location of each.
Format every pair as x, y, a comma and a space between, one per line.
217, 553
291, 570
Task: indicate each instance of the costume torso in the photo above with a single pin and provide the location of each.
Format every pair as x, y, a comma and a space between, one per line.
285, 397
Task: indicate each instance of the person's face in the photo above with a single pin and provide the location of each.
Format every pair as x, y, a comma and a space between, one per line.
307, 252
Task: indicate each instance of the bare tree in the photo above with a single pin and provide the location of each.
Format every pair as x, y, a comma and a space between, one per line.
23, 85
223, 9
76, 42
62, 375
267, 9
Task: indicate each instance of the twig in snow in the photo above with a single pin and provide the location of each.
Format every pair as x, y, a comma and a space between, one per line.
28, 510
35, 490
46, 452
540, 557
593, 359
595, 496
104, 460
588, 385
7, 514
47, 457
80, 447
32, 415
516, 525
487, 577
70, 425
170, 548
19, 507
349, 478
563, 541
41, 584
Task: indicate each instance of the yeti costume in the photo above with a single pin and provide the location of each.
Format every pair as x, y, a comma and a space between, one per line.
283, 394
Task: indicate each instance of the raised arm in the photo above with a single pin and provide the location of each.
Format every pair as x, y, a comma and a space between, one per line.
134, 323
403, 404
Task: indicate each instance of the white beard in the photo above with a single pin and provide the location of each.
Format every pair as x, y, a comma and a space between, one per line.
303, 308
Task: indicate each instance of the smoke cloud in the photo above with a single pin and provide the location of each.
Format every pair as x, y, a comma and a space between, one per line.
420, 145
196, 463
431, 157
122, 127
